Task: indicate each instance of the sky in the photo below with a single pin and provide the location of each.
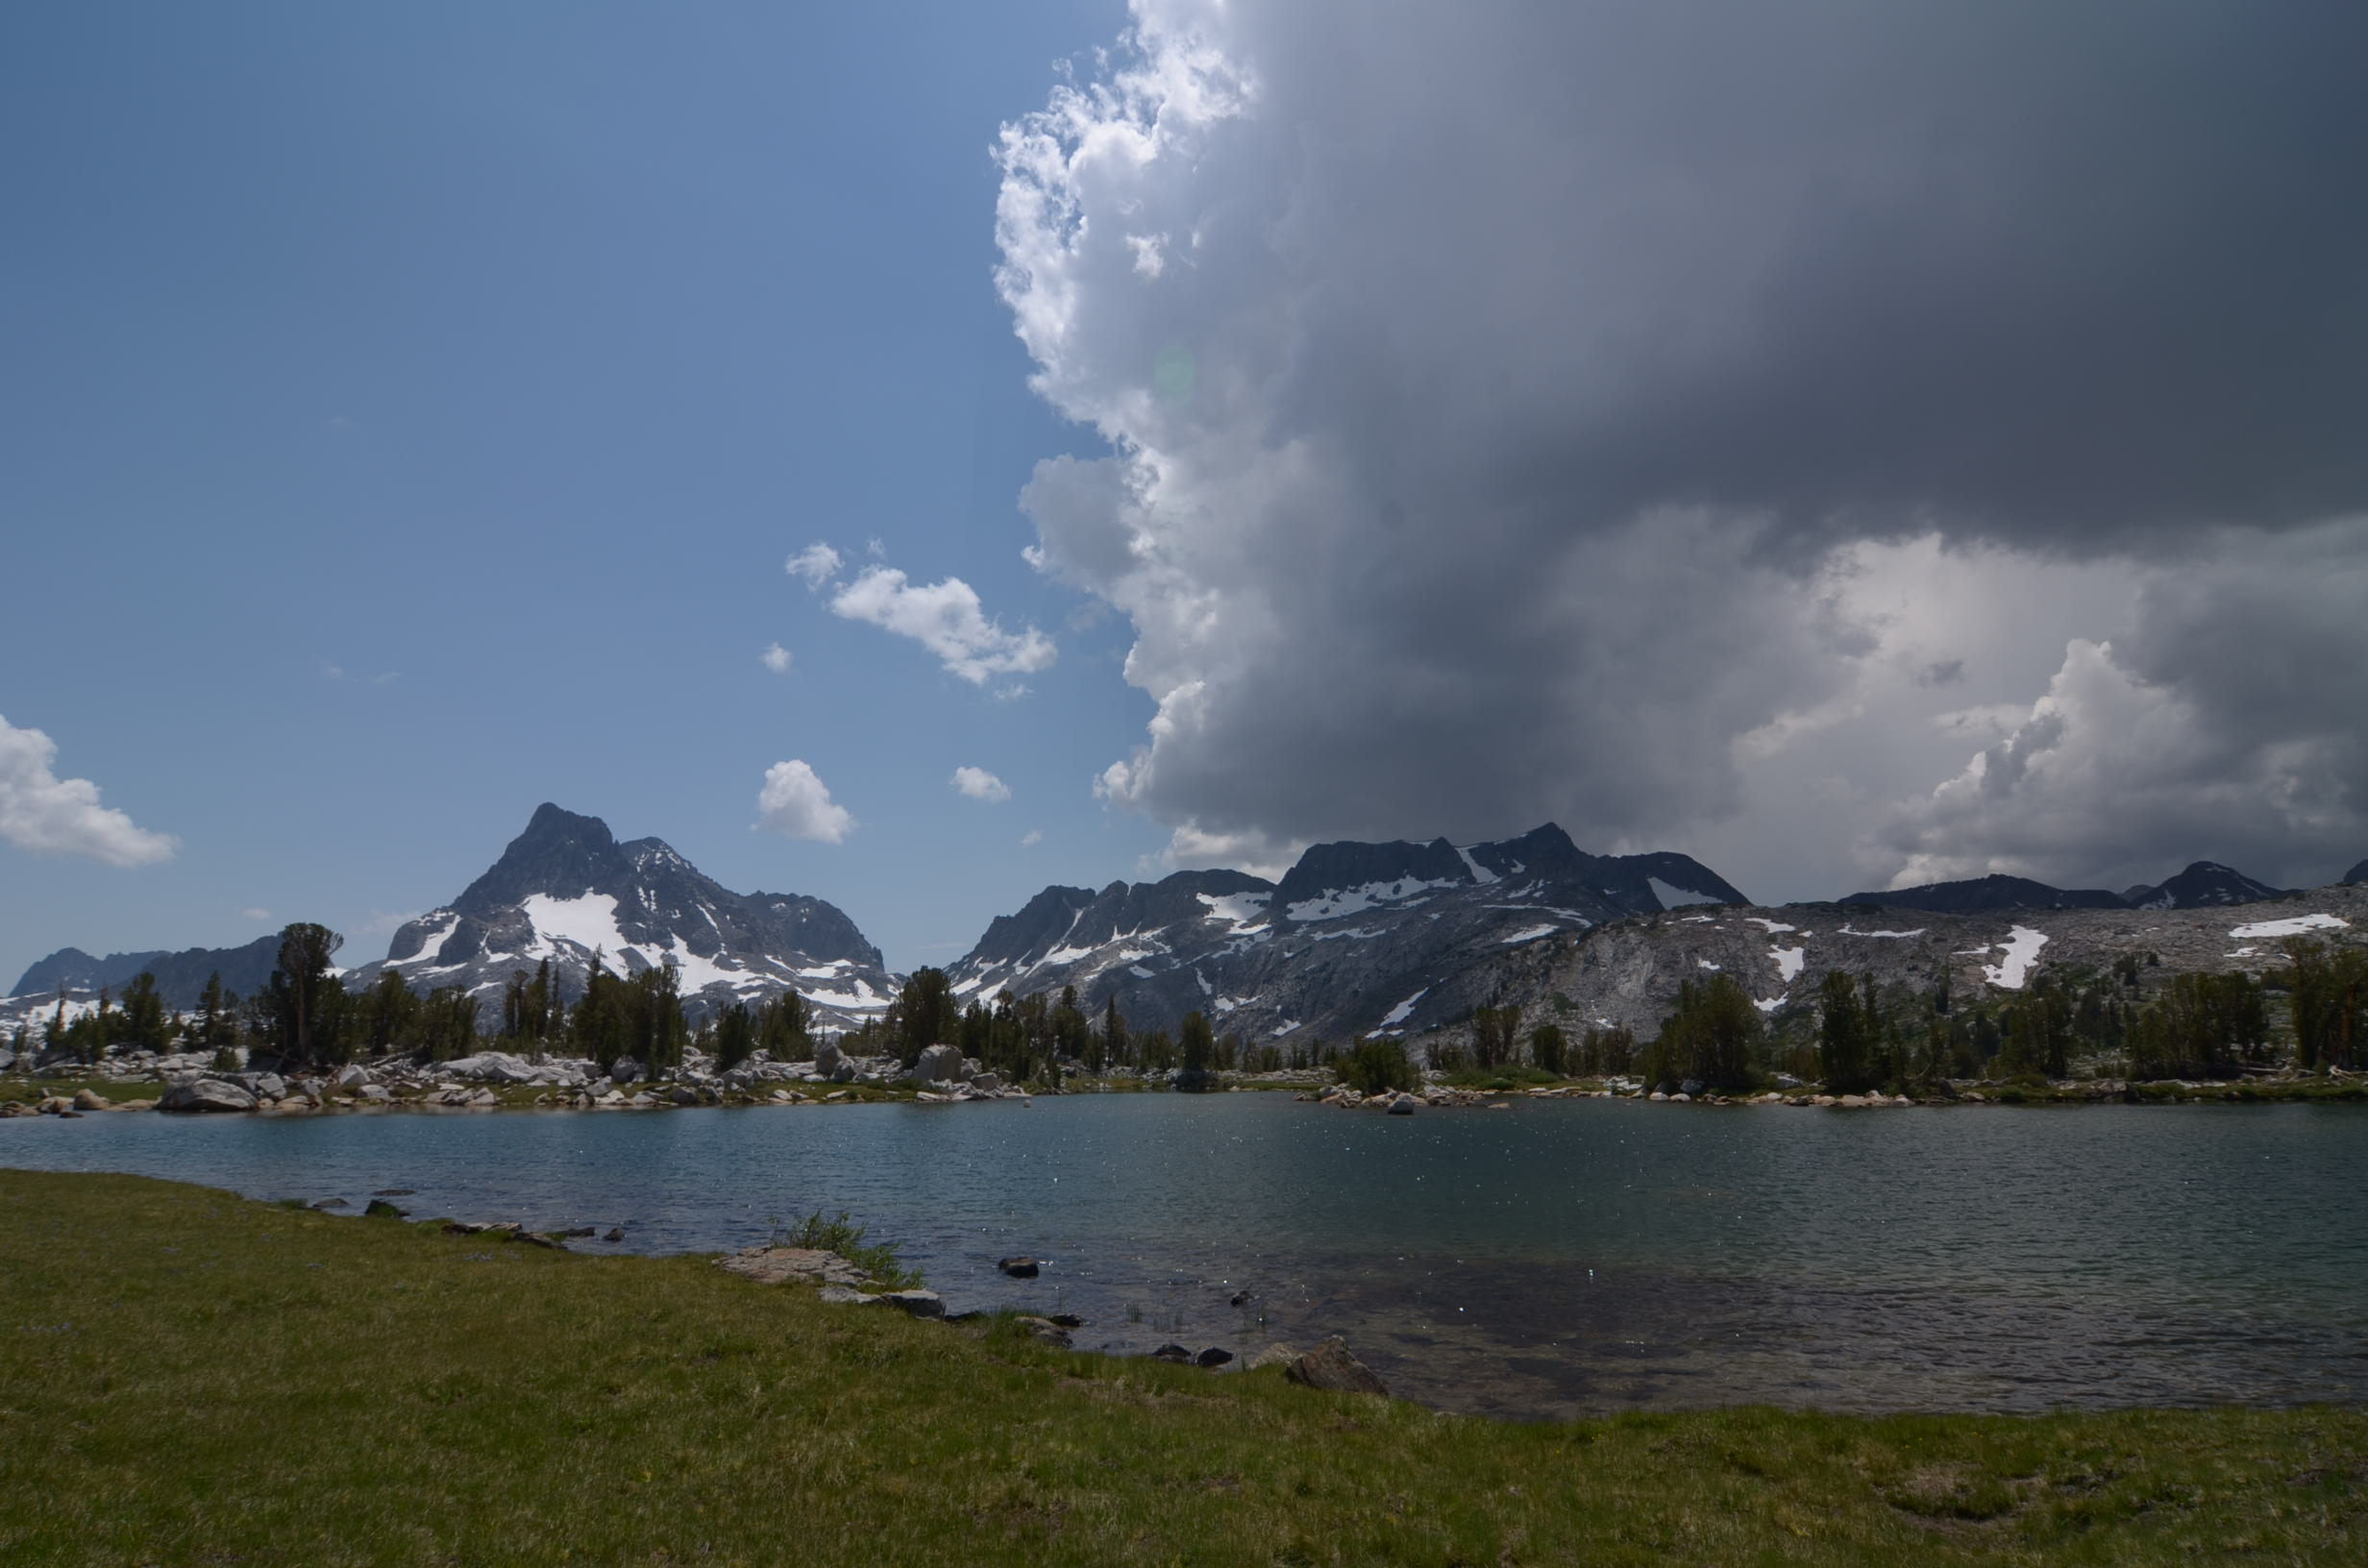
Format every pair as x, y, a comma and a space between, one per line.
913, 454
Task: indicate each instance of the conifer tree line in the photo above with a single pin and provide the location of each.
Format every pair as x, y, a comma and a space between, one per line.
1039, 1037
1862, 1036
303, 1019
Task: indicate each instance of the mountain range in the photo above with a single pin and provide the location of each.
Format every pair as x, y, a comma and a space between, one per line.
1355, 938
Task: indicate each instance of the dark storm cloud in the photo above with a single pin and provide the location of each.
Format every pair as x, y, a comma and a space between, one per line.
1488, 384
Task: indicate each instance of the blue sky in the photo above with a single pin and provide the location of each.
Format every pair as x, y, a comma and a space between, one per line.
410, 411
1858, 446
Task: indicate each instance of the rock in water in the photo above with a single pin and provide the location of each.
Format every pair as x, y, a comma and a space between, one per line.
1331, 1368
1019, 1269
1176, 1354
1403, 1106
1214, 1356
381, 1209
206, 1094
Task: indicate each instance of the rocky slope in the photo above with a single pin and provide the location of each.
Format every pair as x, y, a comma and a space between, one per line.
1355, 937
565, 889
1629, 973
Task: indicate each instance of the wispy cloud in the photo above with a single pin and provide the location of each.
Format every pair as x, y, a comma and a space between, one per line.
776, 659
945, 618
817, 564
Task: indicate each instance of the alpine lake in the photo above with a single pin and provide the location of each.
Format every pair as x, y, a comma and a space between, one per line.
1550, 1259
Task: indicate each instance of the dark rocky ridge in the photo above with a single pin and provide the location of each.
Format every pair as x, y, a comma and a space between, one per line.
2203, 884
1355, 936
181, 976
1989, 893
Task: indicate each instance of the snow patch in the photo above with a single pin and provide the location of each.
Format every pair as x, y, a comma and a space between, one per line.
2021, 949
1673, 896
589, 921
2293, 926
428, 949
1404, 1009
1479, 873
1788, 961
1355, 900
1529, 934
1848, 932
1236, 909
1771, 927
1706, 964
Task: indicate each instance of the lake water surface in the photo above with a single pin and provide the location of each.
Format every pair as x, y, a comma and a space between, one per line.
1556, 1259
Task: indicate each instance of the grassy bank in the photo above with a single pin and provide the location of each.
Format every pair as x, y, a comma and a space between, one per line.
190, 1377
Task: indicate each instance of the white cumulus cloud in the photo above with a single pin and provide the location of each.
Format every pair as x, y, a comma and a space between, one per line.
776, 659
796, 804
53, 816
945, 619
981, 785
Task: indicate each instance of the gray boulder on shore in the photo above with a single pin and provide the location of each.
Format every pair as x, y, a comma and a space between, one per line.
1330, 1367
206, 1094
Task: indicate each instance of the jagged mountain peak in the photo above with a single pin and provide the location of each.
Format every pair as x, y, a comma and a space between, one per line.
2357, 873
567, 892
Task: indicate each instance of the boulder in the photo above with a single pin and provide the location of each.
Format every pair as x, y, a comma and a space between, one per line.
685, 1096
332, 1203
626, 1072
375, 1094
940, 1064
1330, 1367
206, 1094
616, 1233
381, 1209
1175, 1353
1044, 1329
86, 1099
350, 1076
1019, 1269
1214, 1356
987, 1083
1277, 1353
1403, 1106
827, 1059
914, 1302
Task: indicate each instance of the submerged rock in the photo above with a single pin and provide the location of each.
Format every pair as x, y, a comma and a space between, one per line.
1019, 1269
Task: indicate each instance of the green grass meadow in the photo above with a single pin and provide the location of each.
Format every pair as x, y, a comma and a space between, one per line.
189, 1377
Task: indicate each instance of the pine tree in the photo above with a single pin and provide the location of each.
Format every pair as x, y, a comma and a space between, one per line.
306, 999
